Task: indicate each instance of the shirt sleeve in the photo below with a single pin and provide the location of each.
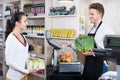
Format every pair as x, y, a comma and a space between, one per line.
9, 57
73, 46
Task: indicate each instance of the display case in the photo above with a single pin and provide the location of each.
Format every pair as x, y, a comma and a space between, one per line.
35, 11
63, 22
41, 19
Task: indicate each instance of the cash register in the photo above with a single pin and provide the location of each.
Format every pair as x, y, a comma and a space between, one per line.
112, 50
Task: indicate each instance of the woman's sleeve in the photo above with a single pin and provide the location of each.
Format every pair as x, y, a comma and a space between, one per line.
9, 57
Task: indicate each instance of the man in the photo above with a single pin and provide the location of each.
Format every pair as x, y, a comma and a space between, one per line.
94, 65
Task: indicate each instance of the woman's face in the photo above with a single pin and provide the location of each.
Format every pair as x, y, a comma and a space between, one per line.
23, 23
93, 15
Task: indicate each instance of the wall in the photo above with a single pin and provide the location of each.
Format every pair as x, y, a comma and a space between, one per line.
66, 22
111, 13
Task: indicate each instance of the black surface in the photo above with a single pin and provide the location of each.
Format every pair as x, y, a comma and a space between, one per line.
64, 76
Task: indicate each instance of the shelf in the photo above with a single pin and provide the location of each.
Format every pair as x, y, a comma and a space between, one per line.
12, 1
38, 75
1, 19
40, 55
36, 17
8, 17
1, 41
1, 33
1, 62
1, 47
62, 38
1, 3
35, 36
57, 16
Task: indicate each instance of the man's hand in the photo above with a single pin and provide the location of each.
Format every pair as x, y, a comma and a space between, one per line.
68, 44
89, 53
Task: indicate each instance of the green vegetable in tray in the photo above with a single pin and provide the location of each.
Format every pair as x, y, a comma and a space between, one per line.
30, 64
36, 64
84, 43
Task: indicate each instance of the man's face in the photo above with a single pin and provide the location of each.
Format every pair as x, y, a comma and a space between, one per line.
93, 15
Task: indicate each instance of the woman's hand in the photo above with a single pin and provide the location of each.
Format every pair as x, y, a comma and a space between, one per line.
33, 58
33, 70
89, 53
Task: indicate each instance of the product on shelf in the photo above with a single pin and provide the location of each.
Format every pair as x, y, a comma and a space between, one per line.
16, 8
1, 14
61, 10
63, 33
7, 11
34, 9
39, 49
35, 30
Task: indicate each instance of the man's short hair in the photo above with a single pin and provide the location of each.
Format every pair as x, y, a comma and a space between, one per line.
98, 6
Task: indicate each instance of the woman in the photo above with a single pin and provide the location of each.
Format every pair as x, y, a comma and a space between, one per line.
16, 48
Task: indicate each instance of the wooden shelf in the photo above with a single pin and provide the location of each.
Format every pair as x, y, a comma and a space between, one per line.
1, 41
40, 55
1, 3
1, 18
35, 36
1, 47
62, 38
58, 16
8, 17
1, 33
12, 1
38, 75
36, 17
1, 62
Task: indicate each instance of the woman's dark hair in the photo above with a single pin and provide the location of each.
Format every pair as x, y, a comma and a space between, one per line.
10, 24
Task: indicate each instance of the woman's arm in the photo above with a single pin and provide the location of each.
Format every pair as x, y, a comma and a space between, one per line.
10, 52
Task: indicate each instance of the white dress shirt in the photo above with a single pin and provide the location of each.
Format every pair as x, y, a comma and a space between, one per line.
100, 34
16, 55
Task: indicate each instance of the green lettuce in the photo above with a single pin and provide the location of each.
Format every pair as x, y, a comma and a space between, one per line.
30, 64
84, 43
36, 64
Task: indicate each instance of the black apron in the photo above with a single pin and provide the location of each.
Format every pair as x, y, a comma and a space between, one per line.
93, 65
